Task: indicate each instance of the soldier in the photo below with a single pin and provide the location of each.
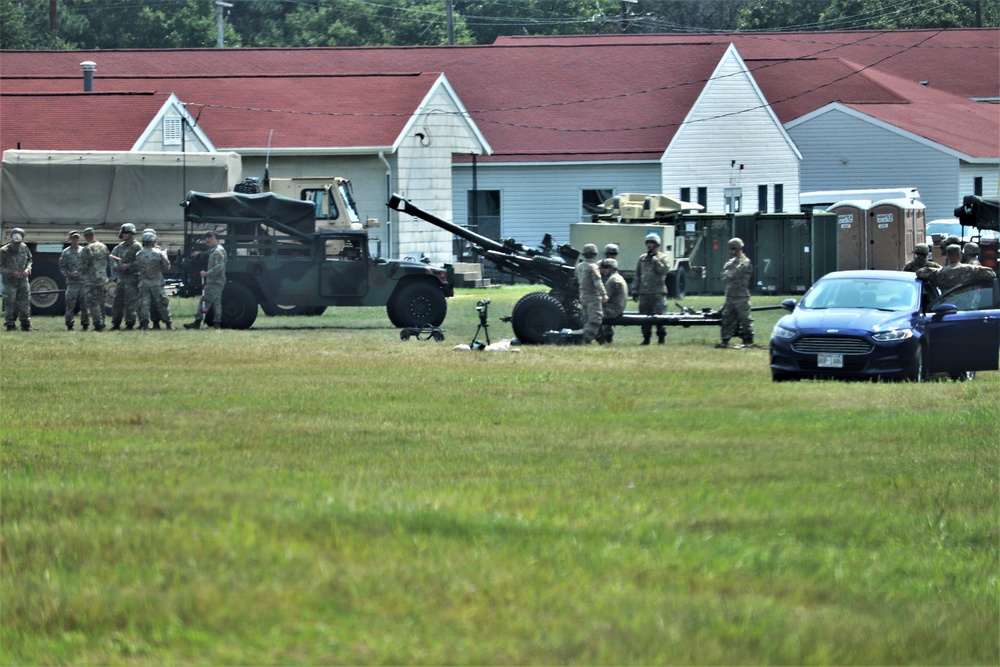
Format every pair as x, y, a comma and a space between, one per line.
71, 266
919, 261
592, 293
15, 268
95, 276
649, 287
736, 275
127, 292
970, 254
611, 252
954, 271
617, 290
215, 281
154, 308
150, 263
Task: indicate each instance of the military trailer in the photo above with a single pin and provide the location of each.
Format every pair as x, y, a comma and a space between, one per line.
277, 257
625, 222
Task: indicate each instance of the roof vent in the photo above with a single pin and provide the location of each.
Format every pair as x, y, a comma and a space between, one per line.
88, 67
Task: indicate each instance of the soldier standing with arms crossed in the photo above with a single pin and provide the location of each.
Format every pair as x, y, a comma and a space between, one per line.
592, 293
736, 311
150, 263
71, 266
127, 292
617, 290
15, 267
214, 276
95, 276
650, 288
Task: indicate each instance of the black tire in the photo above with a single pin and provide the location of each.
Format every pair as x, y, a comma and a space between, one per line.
239, 307
677, 284
417, 304
46, 277
536, 313
278, 310
917, 372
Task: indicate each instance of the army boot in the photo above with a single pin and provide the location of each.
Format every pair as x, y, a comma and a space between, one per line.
645, 339
11, 327
86, 326
26, 326
661, 337
156, 325
217, 326
723, 344
116, 326
748, 342
69, 326
129, 327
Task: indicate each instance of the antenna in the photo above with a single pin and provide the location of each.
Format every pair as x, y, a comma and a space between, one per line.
267, 162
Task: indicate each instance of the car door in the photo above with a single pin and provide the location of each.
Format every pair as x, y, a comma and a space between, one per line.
968, 338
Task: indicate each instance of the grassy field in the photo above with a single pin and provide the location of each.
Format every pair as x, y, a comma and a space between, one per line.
317, 491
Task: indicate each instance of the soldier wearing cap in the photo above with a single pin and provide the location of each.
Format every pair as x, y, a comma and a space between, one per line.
921, 251
649, 286
126, 301
95, 276
150, 263
592, 293
15, 269
71, 266
970, 254
617, 290
214, 277
736, 274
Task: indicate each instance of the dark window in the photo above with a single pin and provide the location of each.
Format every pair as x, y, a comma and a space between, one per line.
977, 186
703, 197
322, 202
592, 201
484, 212
685, 194
762, 198
779, 197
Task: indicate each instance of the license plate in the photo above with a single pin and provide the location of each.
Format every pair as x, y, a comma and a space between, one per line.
825, 360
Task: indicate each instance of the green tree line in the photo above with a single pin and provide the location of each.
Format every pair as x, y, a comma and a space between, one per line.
120, 24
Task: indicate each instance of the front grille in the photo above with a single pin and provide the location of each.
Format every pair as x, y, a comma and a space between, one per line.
832, 344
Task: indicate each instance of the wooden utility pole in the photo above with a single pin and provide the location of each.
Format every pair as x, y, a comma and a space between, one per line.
450, 11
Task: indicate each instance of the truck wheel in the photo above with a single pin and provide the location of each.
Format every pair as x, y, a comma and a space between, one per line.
46, 277
278, 310
417, 304
677, 284
239, 307
534, 314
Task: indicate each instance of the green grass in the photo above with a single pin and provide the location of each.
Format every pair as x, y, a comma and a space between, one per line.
316, 491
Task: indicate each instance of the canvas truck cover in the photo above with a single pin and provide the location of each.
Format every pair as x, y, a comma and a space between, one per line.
108, 188
267, 209
979, 212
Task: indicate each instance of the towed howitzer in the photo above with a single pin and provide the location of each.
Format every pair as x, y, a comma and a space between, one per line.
537, 313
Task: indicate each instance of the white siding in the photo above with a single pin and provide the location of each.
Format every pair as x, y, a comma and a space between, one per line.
545, 199
729, 127
842, 151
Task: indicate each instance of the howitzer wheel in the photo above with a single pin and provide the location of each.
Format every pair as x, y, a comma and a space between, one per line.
677, 284
46, 277
536, 313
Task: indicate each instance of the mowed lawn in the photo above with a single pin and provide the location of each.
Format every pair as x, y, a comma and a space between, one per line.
317, 491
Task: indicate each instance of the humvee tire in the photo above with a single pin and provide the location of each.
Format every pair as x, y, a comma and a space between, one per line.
417, 304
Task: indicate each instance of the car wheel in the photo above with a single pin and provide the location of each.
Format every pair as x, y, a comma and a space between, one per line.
916, 371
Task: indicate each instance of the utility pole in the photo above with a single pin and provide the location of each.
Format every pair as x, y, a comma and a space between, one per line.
450, 11
220, 6
624, 15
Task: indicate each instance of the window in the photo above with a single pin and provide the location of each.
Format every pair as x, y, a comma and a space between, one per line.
172, 131
685, 194
703, 197
592, 202
734, 200
483, 217
779, 197
762, 198
977, 186
317, 197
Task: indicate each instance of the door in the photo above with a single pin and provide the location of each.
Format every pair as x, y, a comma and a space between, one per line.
969, 339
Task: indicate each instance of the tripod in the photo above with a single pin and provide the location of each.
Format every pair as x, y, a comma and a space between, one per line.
484, 326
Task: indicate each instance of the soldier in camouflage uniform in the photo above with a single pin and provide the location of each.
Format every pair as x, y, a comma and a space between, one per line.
736, 275
154, 309
15, 267
954, 271
71, 266
592, 293
920, 253
214, 276
150, 264
970, 254
649, 287
95, 276
126, 300
611, 252
617, 290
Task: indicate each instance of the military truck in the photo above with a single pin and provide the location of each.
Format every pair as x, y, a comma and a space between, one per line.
278, 257
628, 218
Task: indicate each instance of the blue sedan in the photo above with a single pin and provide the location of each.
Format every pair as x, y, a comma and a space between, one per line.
887, 324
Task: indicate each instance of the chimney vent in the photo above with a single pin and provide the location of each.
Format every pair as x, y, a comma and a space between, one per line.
88, 67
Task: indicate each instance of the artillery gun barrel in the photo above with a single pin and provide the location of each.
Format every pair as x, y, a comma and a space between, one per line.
400, 204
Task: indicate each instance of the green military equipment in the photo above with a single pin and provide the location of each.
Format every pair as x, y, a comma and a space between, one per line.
276, 256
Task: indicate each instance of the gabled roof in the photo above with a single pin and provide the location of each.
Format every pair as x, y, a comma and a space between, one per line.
532, 103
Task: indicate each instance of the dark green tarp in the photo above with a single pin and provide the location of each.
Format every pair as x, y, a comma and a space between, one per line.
228, 208
979, 212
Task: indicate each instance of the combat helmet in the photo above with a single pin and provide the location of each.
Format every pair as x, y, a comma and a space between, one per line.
17, 235
127, 228
921, 249
654, 237
611, 249
589, 250
735, 242
148, 237
609, 263
971, 250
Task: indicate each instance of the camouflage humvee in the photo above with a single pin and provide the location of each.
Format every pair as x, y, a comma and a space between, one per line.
276, 257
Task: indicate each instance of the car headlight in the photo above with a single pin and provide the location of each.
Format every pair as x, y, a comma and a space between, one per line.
897, 334
782, 332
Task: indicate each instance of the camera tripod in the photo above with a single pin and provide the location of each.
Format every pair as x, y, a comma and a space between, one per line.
484, 326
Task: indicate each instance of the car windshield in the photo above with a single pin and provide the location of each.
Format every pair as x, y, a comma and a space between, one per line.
892, 295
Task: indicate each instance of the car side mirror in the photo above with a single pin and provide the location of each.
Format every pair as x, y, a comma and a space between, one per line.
945, 309
788, 304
